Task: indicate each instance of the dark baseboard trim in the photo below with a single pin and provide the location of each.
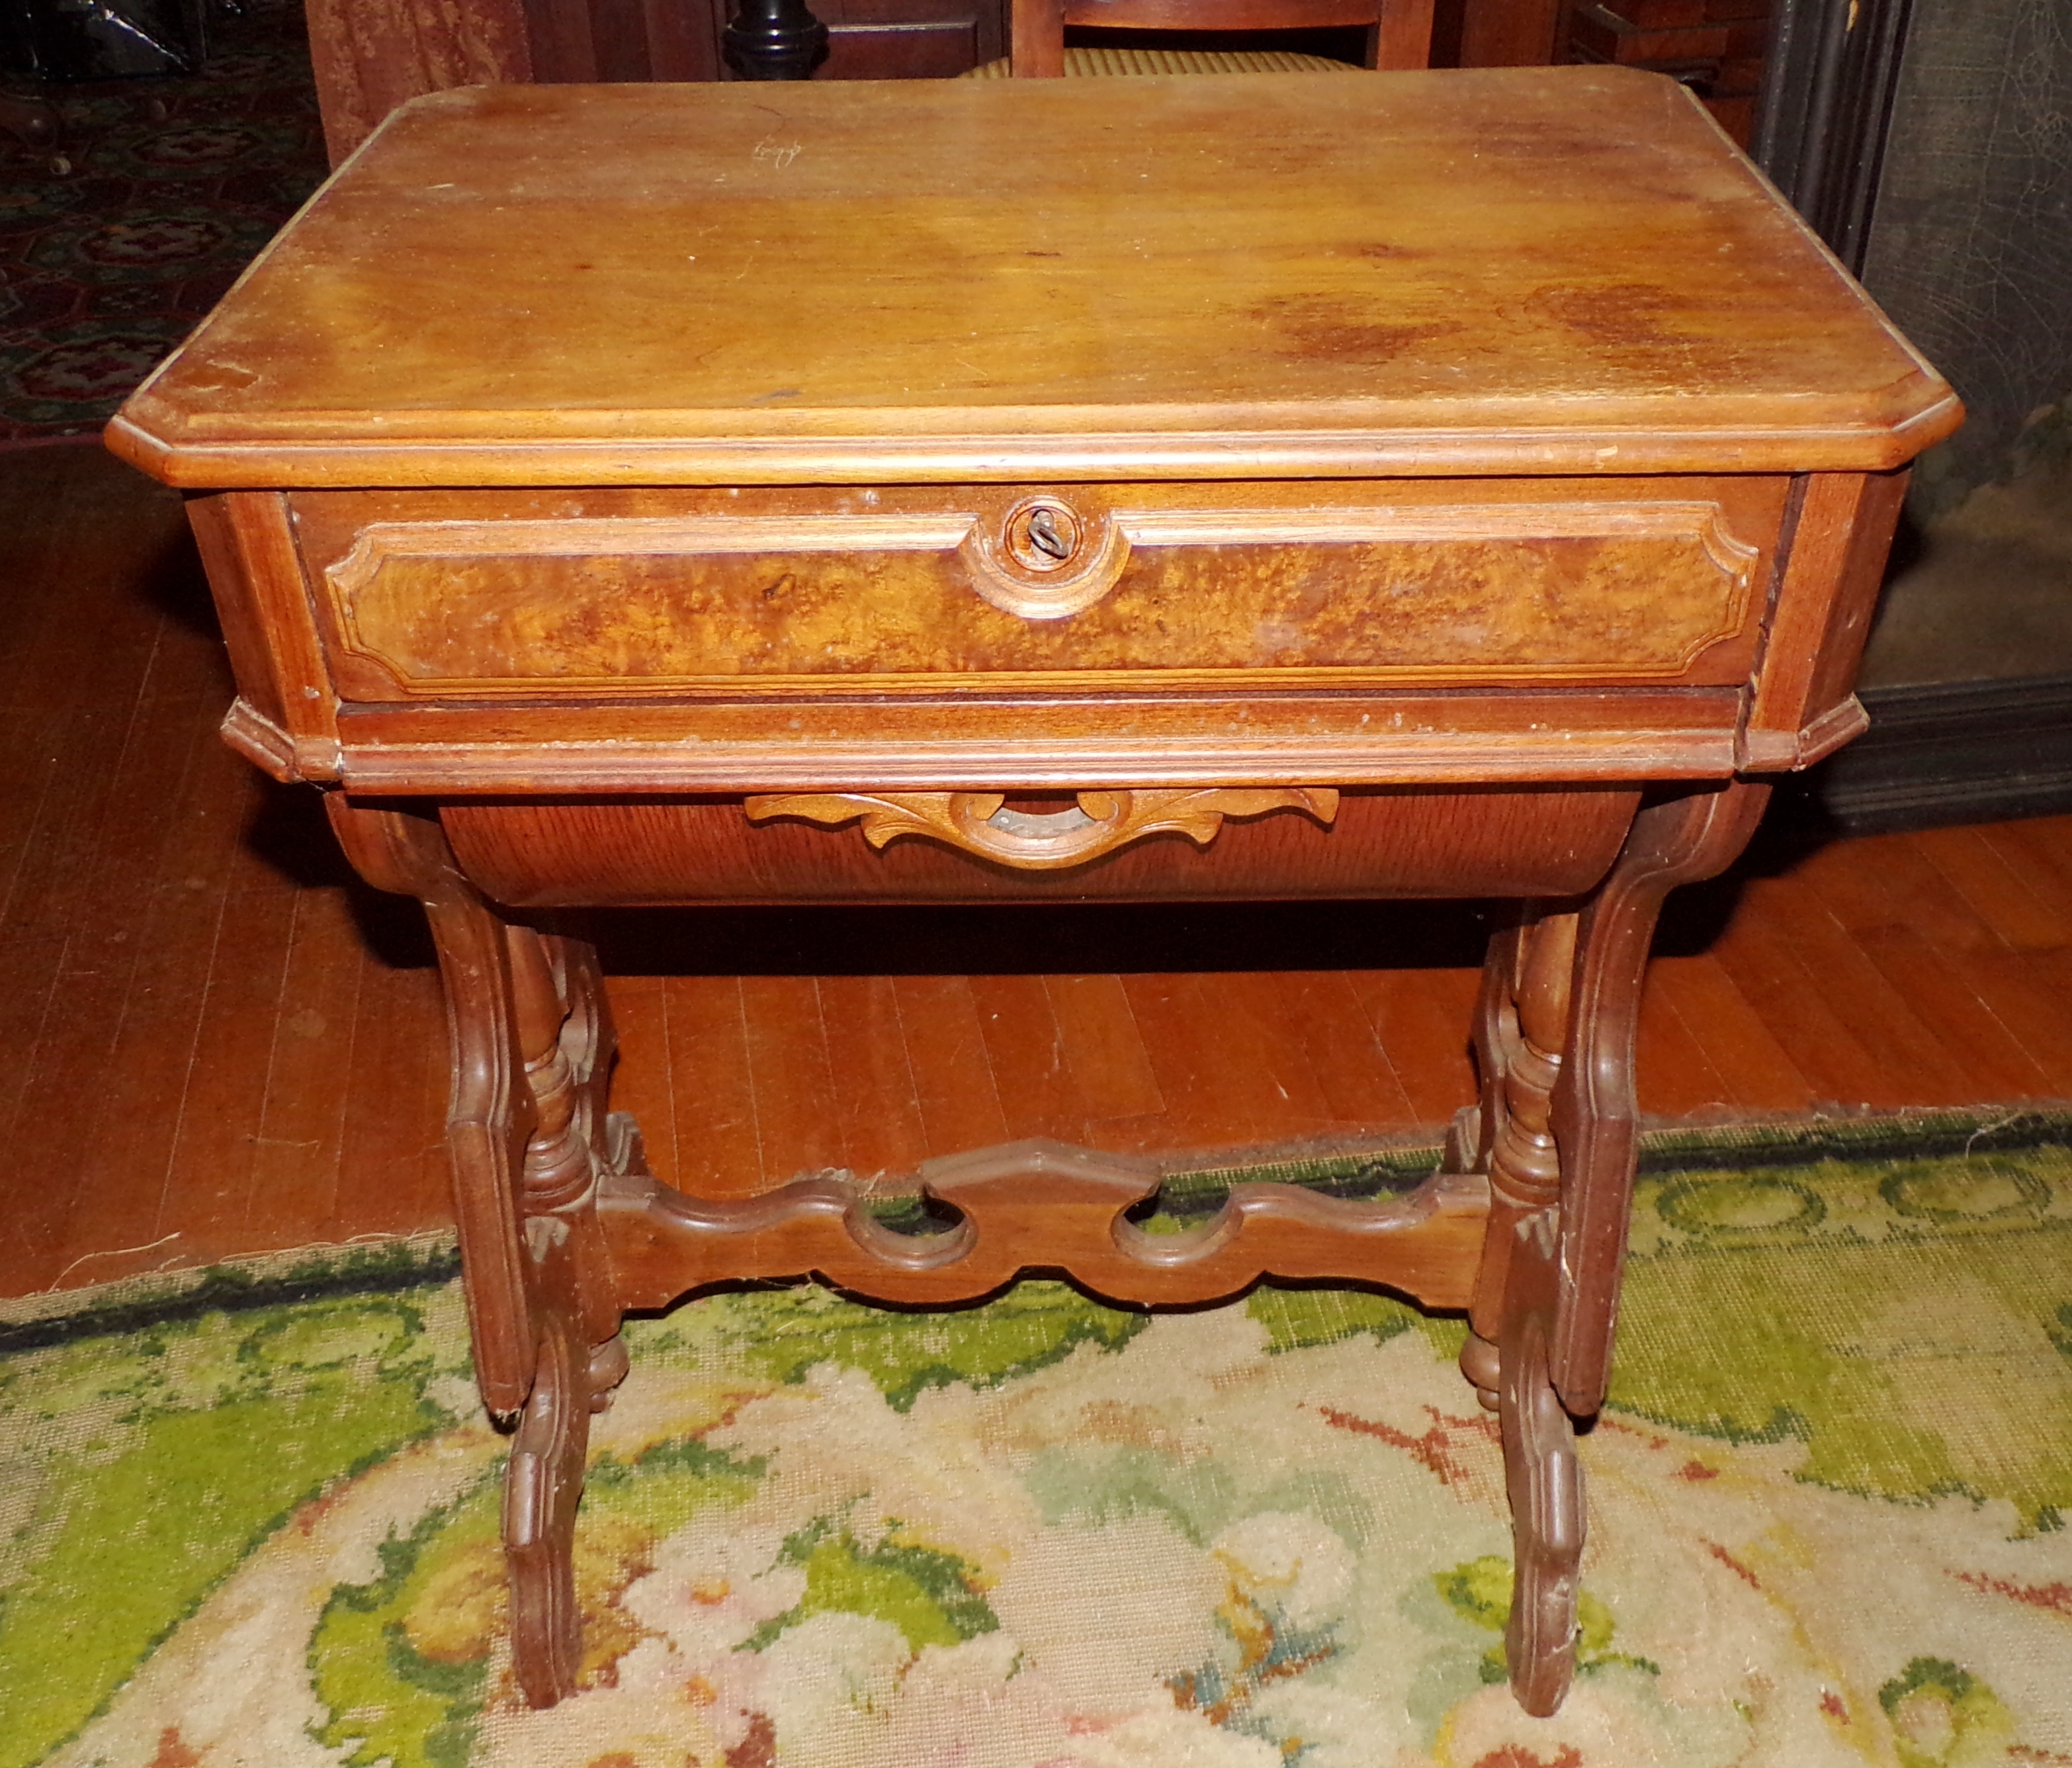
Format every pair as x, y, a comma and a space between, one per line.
1948, 752
1830, 76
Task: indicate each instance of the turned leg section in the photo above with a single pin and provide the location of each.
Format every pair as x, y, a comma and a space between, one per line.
1521, 1036
1522, 1030
564, 1034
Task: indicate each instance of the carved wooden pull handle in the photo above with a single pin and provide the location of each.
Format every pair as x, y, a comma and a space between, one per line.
984, 823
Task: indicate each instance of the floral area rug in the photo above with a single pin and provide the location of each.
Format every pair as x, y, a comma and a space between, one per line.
171, 187
254, 1521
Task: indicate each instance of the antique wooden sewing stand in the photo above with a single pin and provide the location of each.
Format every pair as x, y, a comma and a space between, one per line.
1412, 485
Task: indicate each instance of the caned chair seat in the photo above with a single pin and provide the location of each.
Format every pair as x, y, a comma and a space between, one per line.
1080, 62
1396, 34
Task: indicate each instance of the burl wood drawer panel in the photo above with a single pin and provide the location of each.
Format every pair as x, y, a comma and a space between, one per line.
1551, 842
472, 594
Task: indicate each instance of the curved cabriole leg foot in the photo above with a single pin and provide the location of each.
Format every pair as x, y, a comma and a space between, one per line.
1545, 1484
1481, 1362
541, 1489
608, 1365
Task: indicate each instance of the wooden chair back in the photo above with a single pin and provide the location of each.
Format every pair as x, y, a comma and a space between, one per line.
1399, 32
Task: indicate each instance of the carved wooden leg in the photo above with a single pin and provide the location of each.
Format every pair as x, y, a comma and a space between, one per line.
565, 1031
527, 1131
1522, 1035
542, 1487
1544, 1479
1680, 841
565, 1036
491, 1114
1556, 1133
1521, 1028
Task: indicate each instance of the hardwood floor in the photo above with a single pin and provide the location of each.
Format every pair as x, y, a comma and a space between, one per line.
216, 1041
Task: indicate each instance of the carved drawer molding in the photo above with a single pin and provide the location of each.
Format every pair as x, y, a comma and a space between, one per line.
1052, 587
983, 824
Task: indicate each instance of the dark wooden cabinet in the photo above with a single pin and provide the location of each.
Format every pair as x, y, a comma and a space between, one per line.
910, 40
681, 40
370, 55
1716, 47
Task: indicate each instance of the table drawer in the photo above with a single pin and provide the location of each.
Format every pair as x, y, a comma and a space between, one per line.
651, 851
495, 596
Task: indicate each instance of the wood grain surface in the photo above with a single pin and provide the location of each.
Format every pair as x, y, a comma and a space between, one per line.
1647, 581
543, 285
654, 851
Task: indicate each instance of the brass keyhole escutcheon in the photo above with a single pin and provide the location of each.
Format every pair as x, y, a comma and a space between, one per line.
1041, 559
1043, 537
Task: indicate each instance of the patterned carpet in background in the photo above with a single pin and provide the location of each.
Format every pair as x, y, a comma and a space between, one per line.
175, 184
1828, 1507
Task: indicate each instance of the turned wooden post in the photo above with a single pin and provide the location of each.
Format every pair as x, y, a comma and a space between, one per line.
775, 39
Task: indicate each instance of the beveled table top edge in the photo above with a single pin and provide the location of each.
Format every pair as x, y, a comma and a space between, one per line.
153, 441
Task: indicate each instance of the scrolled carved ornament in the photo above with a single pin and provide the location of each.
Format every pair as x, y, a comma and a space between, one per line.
985, 824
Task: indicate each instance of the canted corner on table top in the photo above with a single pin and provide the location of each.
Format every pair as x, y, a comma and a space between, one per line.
1924, 425
129, 441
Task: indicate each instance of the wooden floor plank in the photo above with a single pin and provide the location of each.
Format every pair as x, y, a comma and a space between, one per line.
2039, 856
1421, 1018
718, 1152
797, 1130
1758, 956
1272, 1036
1104, 1047
301, 1139
952, 1070
1884, 1023
1321, 1014
149, 917
208, 1178
394, 1176
85, 1112
1878, 906
875, 1100
2001, 895
1214, 1098
1679, 1078
2030, 993
1889, 880
74, 1040
641, 1083
1026, 1051
2049, 838
1759, 1075
69, 821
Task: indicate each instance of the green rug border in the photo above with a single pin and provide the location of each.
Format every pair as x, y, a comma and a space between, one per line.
1705, 1148
133, 1304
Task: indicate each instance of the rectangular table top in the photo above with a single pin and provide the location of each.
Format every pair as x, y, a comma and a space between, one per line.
1556, 270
